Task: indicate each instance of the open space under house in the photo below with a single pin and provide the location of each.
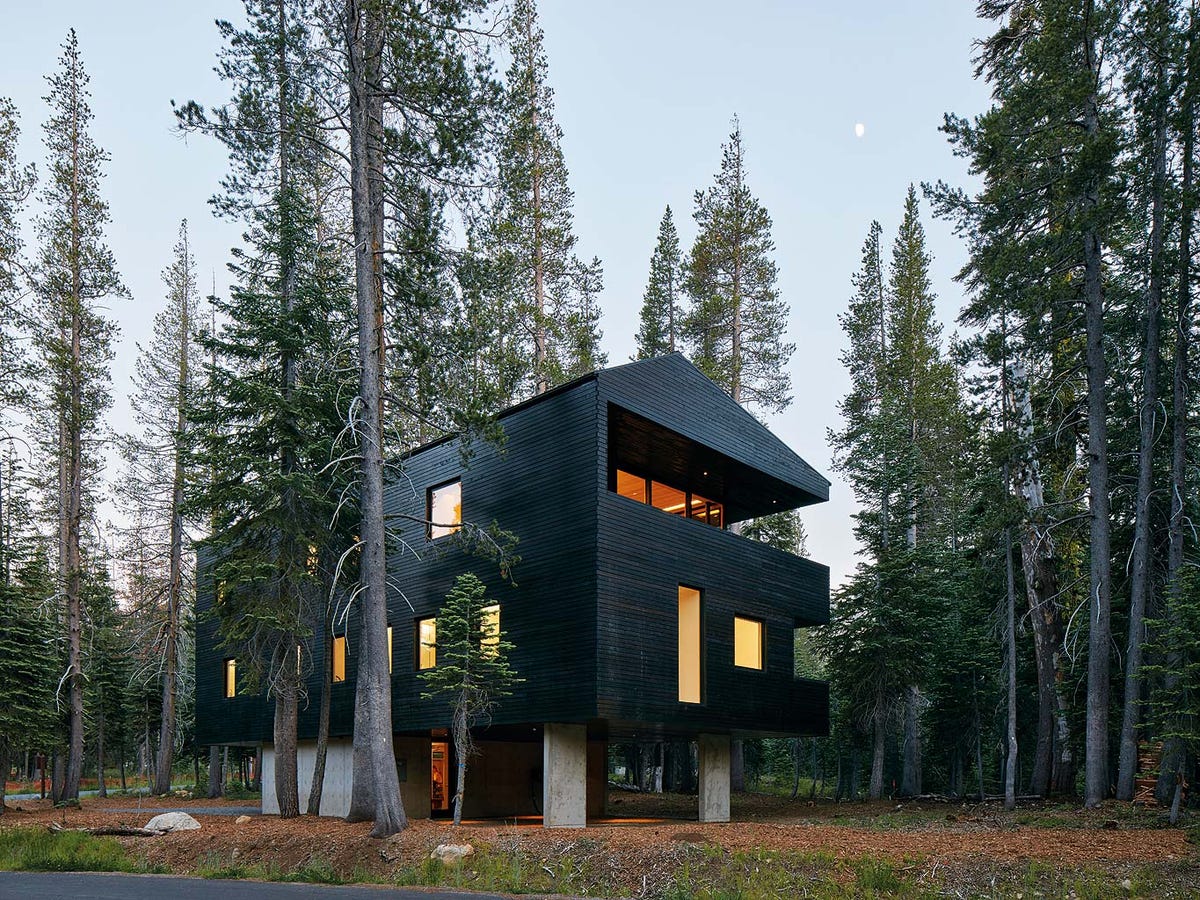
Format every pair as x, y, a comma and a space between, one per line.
637, 614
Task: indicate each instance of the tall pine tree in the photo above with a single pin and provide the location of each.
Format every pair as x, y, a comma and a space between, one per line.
661, 311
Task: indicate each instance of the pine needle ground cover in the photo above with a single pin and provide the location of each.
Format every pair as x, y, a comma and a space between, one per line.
779, 848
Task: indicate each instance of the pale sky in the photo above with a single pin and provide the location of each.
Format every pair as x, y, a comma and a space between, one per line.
645, 92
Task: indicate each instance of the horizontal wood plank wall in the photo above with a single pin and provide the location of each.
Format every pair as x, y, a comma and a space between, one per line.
540, 486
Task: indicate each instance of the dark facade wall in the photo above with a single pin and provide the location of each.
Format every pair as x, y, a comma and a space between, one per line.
645, 556
540, 487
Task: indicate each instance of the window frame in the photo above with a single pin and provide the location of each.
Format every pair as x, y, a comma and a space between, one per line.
418, 646
701, 643
429, 523
762, 642
339, 648
229, 677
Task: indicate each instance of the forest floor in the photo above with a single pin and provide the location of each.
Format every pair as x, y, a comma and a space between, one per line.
654, 847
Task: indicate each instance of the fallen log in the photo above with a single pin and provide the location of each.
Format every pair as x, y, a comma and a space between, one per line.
109, 830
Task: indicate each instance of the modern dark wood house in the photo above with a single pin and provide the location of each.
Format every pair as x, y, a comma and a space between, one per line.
637, 613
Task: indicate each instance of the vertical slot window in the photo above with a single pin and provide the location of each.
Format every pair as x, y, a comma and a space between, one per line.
689, 645
426, 643
747, 643
444, 509
230, 678
339, 658
389, 649
489, 630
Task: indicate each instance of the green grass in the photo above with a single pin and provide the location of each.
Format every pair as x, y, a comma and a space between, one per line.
38, 850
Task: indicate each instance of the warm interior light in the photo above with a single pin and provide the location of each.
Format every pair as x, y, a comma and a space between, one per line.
631, 486
230, 678
445, 509
339, 657
689, 645
427, 643
389, 649
747, 643
489, 627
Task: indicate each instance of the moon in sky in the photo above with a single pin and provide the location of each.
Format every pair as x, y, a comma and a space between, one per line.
860, 129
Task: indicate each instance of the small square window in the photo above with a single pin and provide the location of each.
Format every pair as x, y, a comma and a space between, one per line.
339, 658
444, 509
230, 678
747, 643
426, 643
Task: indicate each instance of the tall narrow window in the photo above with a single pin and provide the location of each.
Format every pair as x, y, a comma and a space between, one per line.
689, 645
426, 643
489, 628
444, 509
230, 678
389, 649
339, 657
747, 643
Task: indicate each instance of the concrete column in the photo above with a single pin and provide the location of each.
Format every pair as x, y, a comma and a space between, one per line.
714, 777
564, 776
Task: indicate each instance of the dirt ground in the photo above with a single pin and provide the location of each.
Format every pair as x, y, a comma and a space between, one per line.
649, 836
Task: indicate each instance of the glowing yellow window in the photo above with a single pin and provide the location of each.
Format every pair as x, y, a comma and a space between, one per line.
339, 657
489, 627
444, 509
668, 499
230, 678
426, 643
689, 645
219, 590
631, 486
747, 643
389, 649
311, 560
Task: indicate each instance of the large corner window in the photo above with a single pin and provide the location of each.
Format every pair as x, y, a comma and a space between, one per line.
444, 509
339, 658
689, 645
426, 643
230, 678
747, 643
668, 498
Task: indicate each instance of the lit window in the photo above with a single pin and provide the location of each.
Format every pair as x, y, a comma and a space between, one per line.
230, 678
489, 626
704, 509
310, 561
219, 590
339, 657
426, 643
689, 645
747, 643
631, 486
389, 649
444, 509
299, 657
668, 499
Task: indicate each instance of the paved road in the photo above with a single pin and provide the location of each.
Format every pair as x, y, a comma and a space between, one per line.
96, 886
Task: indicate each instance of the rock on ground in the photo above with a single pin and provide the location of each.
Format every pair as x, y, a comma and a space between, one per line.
241, 820
450, 854
173, 821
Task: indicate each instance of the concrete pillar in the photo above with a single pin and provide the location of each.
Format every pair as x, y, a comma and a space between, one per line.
564, 776
714, 777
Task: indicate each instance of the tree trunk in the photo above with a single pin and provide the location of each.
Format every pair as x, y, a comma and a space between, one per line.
462, 749
322, 751
101, 787
1010, 639
910, 780
214, 772
1174, 754
364, 38
287, 716
1096, 781
875, 789
737, 765
1147, 416
5, 762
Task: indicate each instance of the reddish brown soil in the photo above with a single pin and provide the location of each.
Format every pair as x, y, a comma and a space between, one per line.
1114, 838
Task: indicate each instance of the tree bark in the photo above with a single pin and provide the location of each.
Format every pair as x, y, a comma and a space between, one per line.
214, 772
318, 777
1010, 639
1174, 753
1096, 778
364, 38
910, 780
101, 787
1140, 582
287, 714
737, 765
875, 788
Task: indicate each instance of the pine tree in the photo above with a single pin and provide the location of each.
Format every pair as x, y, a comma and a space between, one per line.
737, 319
661, 311
76, 277
157, 478
546, 291
15, 185
268, 424
472, 673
